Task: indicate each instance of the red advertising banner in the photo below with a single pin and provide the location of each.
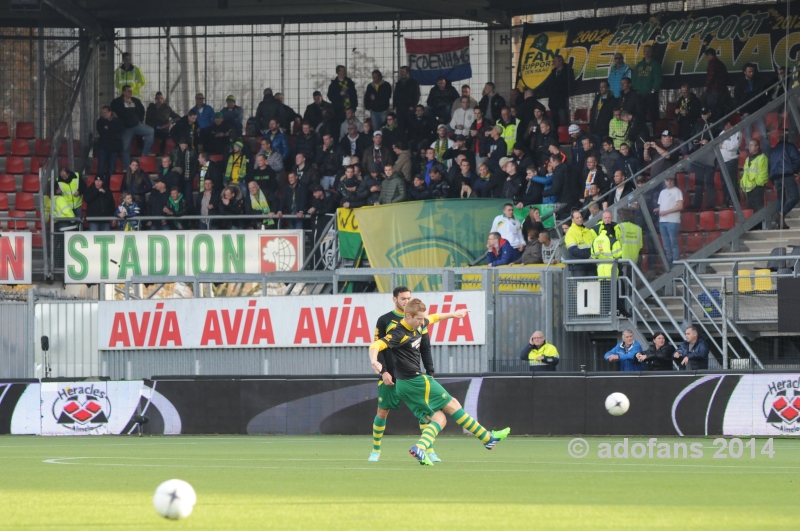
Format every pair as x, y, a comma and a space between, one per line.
15, 257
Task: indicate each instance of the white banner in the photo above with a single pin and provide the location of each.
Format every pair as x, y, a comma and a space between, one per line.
314, 321
15, 257
764, 404
95, 257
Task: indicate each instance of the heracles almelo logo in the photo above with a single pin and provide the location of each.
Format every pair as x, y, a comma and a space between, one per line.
781, 405
81, 408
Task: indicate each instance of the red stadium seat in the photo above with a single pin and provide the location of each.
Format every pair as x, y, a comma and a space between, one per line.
30, 183
687, 199
563, 135
148, 164
169, 147
15, 165
718, 180
582, 115
25, 130
2, 148
36, 241
4, 130
735, 119
215, 158
748, 212
688, 222
17, 225
3, 201
20, 147
727, 220
136, 150
680, 181
37, 163
116, 182
90, 180
707, 221
117, 197
712, 235
8, 183
671, 106
584, 127
42, 148
694, 242
24, 201
771, 120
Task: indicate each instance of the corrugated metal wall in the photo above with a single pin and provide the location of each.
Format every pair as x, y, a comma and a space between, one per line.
16, 352
126, 364
72, 329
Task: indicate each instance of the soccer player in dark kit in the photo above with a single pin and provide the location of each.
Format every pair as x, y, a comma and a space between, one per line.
426, 398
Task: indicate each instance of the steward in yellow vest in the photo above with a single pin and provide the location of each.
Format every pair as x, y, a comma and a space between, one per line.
541, 355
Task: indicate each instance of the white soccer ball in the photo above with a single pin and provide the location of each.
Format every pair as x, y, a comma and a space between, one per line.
174, 499
617, 404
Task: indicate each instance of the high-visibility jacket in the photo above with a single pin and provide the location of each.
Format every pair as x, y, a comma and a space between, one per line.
62, 208
755, 172
509, 133
68, 188
604, 248
547, 350
132, 77
630, 239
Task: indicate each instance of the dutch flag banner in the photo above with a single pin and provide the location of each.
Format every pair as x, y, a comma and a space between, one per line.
431, 58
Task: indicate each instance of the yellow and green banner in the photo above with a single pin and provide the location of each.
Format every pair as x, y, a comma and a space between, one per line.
349, 235
754, 33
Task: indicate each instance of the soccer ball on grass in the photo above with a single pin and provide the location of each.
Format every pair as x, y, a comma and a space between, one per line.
174, 499
617, 404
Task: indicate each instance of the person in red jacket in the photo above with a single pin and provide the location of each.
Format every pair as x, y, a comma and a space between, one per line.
499, 251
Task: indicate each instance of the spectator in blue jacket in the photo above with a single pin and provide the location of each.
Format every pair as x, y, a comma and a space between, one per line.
232, 114
625, 353
280, 142
616, 72
693, 353
784, 165
499, 251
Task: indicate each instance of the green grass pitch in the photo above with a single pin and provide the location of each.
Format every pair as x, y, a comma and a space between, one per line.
325, 482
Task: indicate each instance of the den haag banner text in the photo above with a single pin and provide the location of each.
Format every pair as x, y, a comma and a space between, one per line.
740, 34
94, 257
15, 257
313, 321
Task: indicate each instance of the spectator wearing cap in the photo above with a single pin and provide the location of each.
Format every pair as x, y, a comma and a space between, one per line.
236, 167
393, 188
369, 190
463, 117
315, 109
392, 132
232, 114
703, 167
378, 99
349, 198
609, 156
160, 117
441, 145
509, 228
521, 158
205, 113
670, 204
602, 111
716, 83
217, 138
577, 136
378, 153
541, 355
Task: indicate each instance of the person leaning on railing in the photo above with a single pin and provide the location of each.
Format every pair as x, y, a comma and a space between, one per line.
658, 356
693, 353
625, 353
541, 355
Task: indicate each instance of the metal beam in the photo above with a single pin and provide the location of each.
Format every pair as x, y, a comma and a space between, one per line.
444, 9
79, 16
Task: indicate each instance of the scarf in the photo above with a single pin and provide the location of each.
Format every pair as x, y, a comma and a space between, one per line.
203, 172
260, 204
343, 85
235, 162
175, 203
187, 162
439, 147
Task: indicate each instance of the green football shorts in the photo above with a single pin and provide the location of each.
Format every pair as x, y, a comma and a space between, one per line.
387, 396
423, 395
